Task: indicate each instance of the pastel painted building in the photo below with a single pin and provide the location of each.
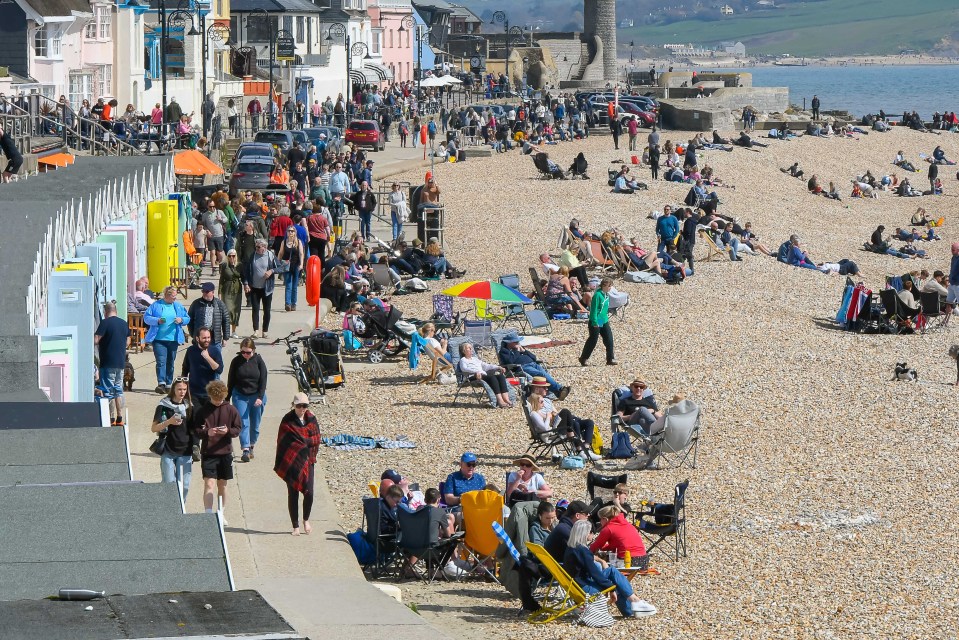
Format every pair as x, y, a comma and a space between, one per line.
397, 43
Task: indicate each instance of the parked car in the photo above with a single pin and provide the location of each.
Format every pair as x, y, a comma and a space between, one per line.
334, 137
251, 173
281, 140
300, 138
365, 133
253, 149
645, 118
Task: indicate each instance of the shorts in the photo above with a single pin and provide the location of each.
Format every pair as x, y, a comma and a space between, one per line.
952, 294
111, 381
216, 244
218, 467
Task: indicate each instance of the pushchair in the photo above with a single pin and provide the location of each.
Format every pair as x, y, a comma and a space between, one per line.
398, 338
322, 356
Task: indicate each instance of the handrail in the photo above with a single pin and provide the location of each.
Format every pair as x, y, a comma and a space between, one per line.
73, 135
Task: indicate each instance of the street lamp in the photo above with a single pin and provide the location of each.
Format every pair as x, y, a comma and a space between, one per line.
500, 17
339, 30
270, 35
219, 34
422, 31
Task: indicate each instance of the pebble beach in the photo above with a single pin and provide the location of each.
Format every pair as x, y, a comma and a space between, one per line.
822, 505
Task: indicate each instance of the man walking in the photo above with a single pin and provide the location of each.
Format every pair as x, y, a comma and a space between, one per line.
202, 363
211, 312
111, 340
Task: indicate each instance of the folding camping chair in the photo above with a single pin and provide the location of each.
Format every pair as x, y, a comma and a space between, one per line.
492, 312
563, 594
933, 316
600, 490
712, 249
667, 523
679, 438
384, 543
542, 442
514, 311
419, 538
478, 331
896, 313
464, 382
637, 437
381, 276
480, 510
444, 317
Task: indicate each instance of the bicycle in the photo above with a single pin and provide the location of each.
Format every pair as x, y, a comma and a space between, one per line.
296, 361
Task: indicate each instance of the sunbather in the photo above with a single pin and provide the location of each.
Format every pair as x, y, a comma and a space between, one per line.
472, 366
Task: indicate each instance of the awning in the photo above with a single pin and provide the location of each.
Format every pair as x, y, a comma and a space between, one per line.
383, 73
364, 76
194, 163
57, 160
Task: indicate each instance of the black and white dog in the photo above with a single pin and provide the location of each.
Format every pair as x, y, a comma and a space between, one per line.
904, 373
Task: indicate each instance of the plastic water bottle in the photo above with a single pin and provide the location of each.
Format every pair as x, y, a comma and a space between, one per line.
627, 559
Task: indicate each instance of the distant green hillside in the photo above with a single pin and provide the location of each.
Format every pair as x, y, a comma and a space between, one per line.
823, 28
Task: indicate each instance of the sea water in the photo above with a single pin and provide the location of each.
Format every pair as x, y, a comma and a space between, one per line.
867, 88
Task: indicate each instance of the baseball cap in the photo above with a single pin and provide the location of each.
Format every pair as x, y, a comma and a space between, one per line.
577, 506
389, 474
207, 287
468, 457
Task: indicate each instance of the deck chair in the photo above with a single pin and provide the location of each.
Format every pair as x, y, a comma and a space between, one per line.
384, 543
538, 289
933, 316
381, 276
679, 438
480, 510
563, 594
666, 523
600, 258
713, 252
542, 443
184, 279
419, 538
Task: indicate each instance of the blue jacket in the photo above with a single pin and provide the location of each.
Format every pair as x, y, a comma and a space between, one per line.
152, 316
667, 227
954, 270
796, 256
579, 564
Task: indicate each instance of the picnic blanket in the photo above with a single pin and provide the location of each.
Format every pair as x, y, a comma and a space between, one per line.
347, 442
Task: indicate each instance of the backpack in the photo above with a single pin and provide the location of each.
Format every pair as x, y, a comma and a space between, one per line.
597, 443
431, 128
362, 549
621, 447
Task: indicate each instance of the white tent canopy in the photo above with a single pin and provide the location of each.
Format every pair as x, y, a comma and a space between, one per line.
432, 81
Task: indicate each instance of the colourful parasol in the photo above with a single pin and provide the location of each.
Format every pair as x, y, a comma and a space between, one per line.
486, 290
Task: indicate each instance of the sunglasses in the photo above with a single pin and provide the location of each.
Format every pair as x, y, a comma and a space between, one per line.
246, 352
638, 386
181, 379
525, 465
302, 406
470, 464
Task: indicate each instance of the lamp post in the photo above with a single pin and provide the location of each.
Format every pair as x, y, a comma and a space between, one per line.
339, 30
177, 19
422, 31
219, 34
500, 17
163, 54
270, 35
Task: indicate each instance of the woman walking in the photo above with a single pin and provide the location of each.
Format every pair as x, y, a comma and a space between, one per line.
297, 443
246, 387
172, 418
258, 283
166, 319
292, 249
231, 289
599, 324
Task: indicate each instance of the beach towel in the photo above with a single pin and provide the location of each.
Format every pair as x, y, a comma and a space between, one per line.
647, 277
346, 442
501, 534
401, 442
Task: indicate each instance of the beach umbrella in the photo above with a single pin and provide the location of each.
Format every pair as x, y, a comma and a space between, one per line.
486, 290
432, 81
452, 80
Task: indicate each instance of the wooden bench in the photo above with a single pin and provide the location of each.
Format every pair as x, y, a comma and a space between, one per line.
138, 331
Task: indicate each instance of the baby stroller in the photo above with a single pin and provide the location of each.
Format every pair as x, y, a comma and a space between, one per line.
398, 337
324, 367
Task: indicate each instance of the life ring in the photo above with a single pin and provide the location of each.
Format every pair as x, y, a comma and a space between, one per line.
314, 275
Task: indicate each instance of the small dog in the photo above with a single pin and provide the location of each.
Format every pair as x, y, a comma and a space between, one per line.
904, 373
128, 375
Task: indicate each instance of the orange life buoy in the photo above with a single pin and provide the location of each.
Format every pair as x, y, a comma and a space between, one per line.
314, 275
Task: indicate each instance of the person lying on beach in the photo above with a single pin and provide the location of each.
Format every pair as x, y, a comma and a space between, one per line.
745, 141
912, 235
906, 190
939, 156
793, 170
844, 267
879, 244
902, 163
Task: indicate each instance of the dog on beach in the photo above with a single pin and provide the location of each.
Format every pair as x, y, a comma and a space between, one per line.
904, 373
128, 375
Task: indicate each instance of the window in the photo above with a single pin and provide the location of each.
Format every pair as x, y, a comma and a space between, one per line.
377, 38
101, 24
40, 42
391, 38
104, 74
300, 29
56, 39
288, 23
81, 88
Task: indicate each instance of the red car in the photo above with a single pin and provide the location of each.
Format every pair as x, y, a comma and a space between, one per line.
645, 118
365, 133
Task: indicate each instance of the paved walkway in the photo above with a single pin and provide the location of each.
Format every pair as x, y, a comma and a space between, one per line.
313, 581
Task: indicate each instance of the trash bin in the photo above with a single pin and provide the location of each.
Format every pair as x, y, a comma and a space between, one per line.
430, 224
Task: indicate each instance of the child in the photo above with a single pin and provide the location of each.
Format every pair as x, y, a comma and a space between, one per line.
200, 234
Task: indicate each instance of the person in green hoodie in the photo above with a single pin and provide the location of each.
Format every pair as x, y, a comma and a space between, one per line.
599, 324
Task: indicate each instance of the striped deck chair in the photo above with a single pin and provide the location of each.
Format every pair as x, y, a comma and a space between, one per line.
563, 595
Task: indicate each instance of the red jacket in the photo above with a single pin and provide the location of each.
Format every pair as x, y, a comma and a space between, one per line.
620, 536
279, 226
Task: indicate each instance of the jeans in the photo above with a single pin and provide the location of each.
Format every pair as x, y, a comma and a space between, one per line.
165, 353
623, 589
365, 219
734, 249
440, 266
291, 280
397, 225
173, 468
643, 417
536, 369
250, 416
594, 334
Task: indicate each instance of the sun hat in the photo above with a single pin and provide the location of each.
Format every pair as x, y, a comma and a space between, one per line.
512, 336
528, 459
300, 398
468, 457
539, 381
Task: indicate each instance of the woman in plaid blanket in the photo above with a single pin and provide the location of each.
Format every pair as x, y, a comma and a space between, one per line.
297, 443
